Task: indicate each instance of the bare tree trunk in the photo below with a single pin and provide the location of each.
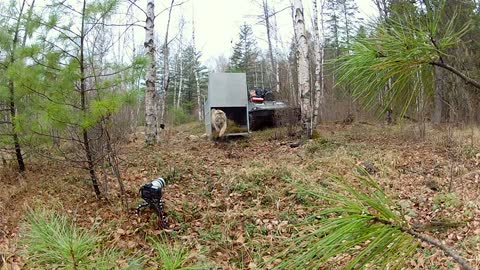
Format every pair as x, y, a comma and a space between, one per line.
266, 17
295, 94
346, 16
383, 11
195, 72
303, 69
277, 78
11, 88
175, 82
421, 108
291, 84
199, 98
180, 84
261, 73
83, 96
180, 78
382, 7
318, 61
438, 104
322, 64
389, 109
113, 162
151, 74
166, 68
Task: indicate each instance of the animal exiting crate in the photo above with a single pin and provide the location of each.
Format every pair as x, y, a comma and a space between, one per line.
228, 92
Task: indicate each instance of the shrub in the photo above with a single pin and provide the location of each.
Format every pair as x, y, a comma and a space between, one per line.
178, 116
173, 257
51, 240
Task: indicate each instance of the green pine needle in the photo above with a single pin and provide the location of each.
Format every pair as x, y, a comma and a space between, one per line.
358, 228
173, 257
399, 53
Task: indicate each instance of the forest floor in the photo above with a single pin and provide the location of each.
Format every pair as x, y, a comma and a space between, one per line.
231, 205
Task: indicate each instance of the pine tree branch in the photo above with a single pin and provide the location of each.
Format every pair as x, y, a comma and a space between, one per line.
450, 252
63, 50
425, 238
50, 99
467, 80
108, 74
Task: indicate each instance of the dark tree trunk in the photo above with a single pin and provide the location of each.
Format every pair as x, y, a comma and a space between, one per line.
438, 104
83, 93
13, 109
16, 141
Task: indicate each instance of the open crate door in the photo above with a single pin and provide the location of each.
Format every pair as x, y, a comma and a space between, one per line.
228, 92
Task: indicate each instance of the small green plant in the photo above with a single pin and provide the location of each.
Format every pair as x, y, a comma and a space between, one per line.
178, 116
469, 151
320, 144
51, 240
250, 229
173, 257
446, 200
213, 234
289, 215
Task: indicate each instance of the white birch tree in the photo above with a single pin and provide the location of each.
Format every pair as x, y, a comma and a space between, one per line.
151, 128
180, 63
195, 72
303, 69
166, 73
319, 95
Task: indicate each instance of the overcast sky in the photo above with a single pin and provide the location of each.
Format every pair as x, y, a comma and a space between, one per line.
217, 22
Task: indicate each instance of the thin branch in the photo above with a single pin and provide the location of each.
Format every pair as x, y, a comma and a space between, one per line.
36, 61
467, 80
50, 99
97, 20
70, 8
425, 238
63, 50
61, 29
132, 2
262, 17
56, 137
108, 74
119, 24
168, 8
450, 252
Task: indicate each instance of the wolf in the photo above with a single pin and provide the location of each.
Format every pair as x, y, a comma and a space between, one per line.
219, 121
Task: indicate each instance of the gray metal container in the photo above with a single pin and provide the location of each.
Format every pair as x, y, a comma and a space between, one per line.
228, 92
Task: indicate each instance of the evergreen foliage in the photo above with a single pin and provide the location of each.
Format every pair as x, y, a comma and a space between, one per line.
245, 55
359, 227
191, 68
65, 84
341, 22
402, 51
53, 241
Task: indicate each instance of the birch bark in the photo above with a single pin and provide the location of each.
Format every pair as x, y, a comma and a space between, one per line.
303, 69
150, 77
318, 61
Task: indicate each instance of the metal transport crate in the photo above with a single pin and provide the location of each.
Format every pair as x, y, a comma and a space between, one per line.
228, 92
